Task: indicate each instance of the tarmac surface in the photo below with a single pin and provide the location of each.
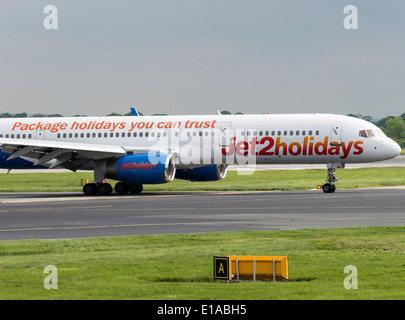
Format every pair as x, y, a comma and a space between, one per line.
73, 215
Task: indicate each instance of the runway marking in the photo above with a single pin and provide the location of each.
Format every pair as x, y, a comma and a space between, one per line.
214, 208
196, 223
51, 209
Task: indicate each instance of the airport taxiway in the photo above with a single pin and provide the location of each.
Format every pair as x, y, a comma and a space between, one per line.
72, 215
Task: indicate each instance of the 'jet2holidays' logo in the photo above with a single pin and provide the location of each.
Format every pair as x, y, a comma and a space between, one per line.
137, 166
308, 147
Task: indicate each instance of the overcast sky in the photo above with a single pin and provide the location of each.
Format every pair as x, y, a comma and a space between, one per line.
198, 56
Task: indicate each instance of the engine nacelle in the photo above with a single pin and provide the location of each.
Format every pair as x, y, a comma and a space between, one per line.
208, 173
142, 168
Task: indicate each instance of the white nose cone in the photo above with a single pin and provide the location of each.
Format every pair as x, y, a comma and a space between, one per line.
392, 149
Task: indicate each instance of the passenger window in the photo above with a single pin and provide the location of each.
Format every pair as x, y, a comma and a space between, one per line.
310, 132
317, 132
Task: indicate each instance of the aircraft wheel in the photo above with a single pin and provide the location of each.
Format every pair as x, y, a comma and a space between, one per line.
135, 188
90, 189
121, 187
104, 189
328, 188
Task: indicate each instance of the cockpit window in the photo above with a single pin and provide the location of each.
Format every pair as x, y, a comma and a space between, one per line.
363, 133
371, 133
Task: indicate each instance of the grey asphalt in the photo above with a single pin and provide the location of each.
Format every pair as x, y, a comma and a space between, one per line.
72, 215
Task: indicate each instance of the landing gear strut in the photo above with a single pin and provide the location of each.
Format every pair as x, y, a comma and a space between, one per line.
329, 187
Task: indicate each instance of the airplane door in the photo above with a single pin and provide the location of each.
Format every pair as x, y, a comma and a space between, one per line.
40, 135
225, 133
336, 134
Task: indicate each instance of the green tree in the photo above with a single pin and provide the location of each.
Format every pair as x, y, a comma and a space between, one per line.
395, 129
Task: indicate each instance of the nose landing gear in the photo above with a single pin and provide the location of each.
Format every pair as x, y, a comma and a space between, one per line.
329, 187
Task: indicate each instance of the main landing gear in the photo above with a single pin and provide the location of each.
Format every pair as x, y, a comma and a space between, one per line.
105, 189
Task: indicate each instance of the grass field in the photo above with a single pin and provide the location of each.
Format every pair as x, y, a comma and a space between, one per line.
260, 180
181, 266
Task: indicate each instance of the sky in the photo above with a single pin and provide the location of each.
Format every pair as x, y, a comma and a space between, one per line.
200, 56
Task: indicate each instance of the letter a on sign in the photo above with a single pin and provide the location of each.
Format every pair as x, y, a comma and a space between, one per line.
221, 268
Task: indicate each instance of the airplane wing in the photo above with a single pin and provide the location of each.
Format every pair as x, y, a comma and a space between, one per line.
70, 155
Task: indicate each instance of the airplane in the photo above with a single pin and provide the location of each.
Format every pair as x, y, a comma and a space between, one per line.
136, 150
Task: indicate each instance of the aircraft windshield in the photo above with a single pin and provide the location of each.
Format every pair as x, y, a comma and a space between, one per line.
371, 133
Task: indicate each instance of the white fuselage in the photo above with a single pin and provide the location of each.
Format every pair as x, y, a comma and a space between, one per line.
216, 139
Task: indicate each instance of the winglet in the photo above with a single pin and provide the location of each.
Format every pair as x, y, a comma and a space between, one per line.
134, 112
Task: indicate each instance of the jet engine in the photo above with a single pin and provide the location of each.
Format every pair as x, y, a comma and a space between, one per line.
207, 173
146, 168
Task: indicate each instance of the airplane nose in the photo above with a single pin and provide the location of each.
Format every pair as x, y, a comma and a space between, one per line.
392, 149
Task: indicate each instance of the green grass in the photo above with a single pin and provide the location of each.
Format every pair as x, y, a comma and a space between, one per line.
180, 266
260, 180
